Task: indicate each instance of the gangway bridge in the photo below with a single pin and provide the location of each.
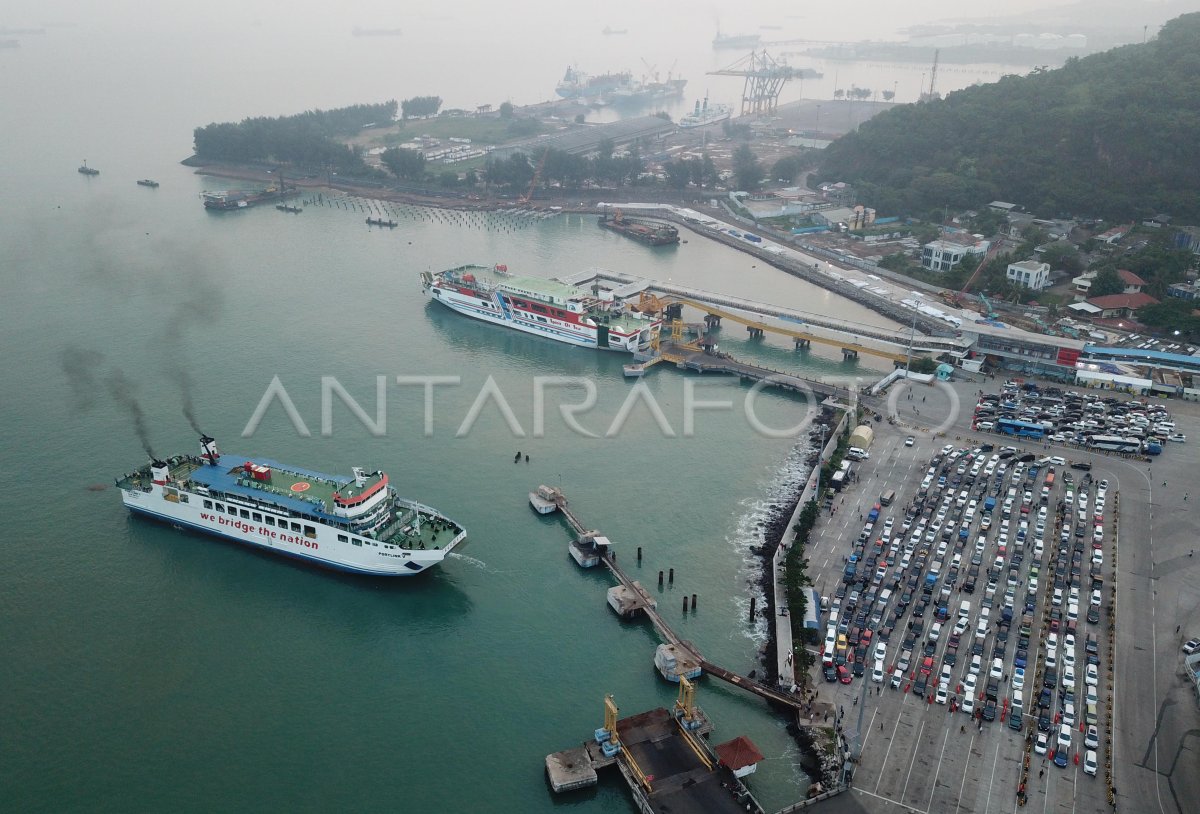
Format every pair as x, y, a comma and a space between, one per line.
857, 337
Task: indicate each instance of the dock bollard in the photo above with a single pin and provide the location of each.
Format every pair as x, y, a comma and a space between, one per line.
660, 578
753, 606
639, 554
693, 601
685, 603
671, 576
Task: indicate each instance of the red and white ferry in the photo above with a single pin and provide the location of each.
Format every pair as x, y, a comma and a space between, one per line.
544, 307
356, 524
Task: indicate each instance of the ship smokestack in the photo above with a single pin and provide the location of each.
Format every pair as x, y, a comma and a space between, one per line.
208, 450
159, 472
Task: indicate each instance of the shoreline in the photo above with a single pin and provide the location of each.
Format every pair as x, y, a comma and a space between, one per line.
592, 203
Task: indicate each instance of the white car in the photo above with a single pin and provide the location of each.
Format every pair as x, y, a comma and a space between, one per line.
1042, 744
1018, 678
1092, 696
877, 672
1096, 599
1068, 657
1068, 716
1064, 737
1092, 739
943, 693
1057, 599
1068, 678
997, 669
1177, 437
968, 704
1089, 762
1098, 556
880, 651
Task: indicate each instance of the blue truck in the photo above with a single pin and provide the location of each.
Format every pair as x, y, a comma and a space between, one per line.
989, 504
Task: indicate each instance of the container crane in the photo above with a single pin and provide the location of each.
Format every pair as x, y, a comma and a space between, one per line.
537, 175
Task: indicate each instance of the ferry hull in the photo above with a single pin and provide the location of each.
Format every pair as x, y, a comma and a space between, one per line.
494, 315
325, 549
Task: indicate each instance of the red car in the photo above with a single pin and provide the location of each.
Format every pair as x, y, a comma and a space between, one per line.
927, 665
843, 674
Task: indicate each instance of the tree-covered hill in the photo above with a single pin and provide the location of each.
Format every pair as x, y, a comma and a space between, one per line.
1114, 135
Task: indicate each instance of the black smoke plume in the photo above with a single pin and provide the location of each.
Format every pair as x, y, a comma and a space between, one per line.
79, 365
121, 389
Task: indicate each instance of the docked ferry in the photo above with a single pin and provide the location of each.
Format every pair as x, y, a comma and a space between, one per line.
356, 524
543, 307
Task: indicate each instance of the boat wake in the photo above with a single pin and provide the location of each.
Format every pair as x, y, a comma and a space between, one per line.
480, 564
761, 519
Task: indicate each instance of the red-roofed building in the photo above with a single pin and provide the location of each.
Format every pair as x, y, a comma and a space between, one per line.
1121, 305
739, 755
1133, 283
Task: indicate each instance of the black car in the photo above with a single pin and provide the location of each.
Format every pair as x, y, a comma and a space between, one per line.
1093, 615
977, 648
1050, 679
859, 669
998, 650
1045, 698
1027, 457
1044, 723
1084, 465
989, 710
919, 688
992, 692
830, 673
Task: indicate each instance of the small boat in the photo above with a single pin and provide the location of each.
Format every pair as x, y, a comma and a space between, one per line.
146, 182
84, 169
391, 224
633, 371
295, 210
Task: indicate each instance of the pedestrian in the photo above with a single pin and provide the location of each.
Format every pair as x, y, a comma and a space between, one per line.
1177, 628
855, 701
1042, 772
881, 726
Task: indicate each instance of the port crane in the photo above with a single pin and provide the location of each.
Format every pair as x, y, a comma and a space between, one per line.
765, 78
956, 298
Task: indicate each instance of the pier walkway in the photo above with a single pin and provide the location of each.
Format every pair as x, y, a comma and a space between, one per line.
609, 558
870, 339
689, 357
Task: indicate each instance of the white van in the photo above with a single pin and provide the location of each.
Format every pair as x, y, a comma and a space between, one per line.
964, 609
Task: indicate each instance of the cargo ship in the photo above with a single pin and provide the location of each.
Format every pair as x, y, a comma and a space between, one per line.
244, 199
735, 40
576, 84
355, 524
705, 114
650, 232
643, 92
543, 307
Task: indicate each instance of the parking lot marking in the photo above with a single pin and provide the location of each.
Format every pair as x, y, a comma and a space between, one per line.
913, 761
938, 770
963, 786
891, 742
992, 782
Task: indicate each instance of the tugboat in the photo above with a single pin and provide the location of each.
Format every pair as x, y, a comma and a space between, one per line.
146, 182
84, 169
390, 224
357, 524
295, 210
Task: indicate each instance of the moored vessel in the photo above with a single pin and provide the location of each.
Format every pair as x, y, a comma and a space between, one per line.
388, 224
356, 524
235, 200
146, 182
546, 308
84, 169
705, 114
650, 232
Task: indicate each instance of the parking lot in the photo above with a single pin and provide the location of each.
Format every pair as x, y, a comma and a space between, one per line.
1036, 570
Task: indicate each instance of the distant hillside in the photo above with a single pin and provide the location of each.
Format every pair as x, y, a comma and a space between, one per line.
1114, 135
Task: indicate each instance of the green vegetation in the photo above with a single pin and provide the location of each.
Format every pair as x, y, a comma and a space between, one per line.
406, 164
306, 139
923, 364
420, 106
1173, 315
787, 169
746, 169
1106, 282
479, 129
797, 581
1113, 135
561, 169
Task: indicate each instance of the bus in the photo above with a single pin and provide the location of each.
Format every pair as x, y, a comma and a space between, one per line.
1024, 429
1115, 443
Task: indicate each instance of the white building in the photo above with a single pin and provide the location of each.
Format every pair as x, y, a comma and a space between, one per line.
943, 255
1030, 274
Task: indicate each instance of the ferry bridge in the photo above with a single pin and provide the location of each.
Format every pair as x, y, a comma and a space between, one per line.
647, 605
853, 338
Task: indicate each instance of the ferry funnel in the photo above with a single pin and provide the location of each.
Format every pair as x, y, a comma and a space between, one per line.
208, 450
159, 472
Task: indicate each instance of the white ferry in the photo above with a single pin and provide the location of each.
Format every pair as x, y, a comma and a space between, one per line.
543, 307
354, 524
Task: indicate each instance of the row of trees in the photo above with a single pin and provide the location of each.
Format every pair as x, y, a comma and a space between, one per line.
1112, 135
306, 139
420, 106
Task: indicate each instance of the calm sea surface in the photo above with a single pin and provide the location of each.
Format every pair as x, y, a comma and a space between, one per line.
146, 668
